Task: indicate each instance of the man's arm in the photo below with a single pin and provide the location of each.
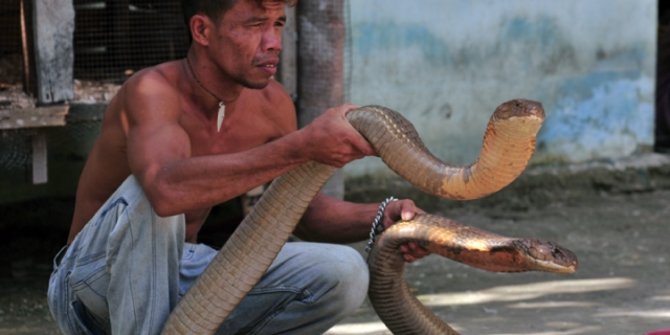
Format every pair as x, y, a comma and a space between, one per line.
331, 220
328, 219
159, 151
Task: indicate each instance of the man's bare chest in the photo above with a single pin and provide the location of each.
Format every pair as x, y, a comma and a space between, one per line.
233, 137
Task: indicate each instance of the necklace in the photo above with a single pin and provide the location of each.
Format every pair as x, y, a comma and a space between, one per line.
222, 107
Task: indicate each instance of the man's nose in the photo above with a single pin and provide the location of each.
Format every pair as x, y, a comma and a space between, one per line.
272, 39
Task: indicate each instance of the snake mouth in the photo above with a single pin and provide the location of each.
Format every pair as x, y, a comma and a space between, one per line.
546, 266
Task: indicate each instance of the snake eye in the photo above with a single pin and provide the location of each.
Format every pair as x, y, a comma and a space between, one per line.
544, 249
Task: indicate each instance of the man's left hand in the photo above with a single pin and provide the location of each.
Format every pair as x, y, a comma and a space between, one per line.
405, 210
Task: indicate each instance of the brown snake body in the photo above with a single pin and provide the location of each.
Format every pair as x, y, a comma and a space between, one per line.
397, 307
508, 145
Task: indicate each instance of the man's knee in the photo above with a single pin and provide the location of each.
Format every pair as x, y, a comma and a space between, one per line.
309, 288
346, 275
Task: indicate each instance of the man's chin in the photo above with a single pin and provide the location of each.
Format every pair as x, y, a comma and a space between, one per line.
257, 85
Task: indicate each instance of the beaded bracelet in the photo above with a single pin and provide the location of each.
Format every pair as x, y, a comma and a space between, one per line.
377, 223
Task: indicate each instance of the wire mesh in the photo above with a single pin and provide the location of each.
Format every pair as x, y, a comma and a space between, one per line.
10, 43
115, 38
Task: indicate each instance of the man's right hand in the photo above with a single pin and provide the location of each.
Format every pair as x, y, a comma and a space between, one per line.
333, 141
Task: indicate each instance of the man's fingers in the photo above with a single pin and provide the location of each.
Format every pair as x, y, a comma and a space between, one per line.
364, 147
409, 210
409, 258
412, 251
407, 214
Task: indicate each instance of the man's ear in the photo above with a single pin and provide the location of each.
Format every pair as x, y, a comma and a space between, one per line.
201, 26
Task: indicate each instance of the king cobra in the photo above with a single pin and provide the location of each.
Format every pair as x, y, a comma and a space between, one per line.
508, 145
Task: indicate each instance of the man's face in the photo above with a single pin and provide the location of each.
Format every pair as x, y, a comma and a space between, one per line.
248, 41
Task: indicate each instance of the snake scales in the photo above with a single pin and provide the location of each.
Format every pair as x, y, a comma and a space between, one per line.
508, 145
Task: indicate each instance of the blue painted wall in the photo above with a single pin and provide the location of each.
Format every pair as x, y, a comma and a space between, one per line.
446, 65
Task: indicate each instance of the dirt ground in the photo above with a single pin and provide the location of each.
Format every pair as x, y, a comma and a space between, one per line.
615, 219
621, 286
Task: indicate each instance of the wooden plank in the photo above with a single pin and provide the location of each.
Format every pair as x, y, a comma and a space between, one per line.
53, 31
40, 166
28, 65
320, 55
34, 117
288, 67
321, 37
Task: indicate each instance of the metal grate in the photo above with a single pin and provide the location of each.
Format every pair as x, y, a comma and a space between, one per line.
115, 38
10, 44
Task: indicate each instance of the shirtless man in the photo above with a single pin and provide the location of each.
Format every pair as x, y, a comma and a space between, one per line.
164, 158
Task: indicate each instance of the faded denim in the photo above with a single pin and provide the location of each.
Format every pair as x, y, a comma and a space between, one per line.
128, 268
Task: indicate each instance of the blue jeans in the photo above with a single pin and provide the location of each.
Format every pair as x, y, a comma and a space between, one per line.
128, 268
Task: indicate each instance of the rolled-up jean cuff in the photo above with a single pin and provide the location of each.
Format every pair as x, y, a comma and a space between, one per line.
59, 256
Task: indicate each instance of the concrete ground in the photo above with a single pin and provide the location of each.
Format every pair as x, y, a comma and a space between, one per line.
613, 215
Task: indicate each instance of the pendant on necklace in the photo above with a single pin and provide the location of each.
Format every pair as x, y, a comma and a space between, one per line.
220, 115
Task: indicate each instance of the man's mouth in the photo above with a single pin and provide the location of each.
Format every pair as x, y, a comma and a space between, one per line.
269, 67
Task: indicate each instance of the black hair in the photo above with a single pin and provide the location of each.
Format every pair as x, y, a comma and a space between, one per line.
214, 9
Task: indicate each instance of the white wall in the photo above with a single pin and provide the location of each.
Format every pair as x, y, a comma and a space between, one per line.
446, 65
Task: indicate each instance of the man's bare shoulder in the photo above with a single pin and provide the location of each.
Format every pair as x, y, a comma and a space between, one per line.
278, 105
154, 88
155, 79
275, 93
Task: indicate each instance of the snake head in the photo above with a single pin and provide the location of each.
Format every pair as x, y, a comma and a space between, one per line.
548, 256
519, 108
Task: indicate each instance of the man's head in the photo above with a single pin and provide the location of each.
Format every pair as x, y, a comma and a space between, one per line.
239, 40
215, 9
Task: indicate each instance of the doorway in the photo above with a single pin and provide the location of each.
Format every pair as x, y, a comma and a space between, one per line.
662, 129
